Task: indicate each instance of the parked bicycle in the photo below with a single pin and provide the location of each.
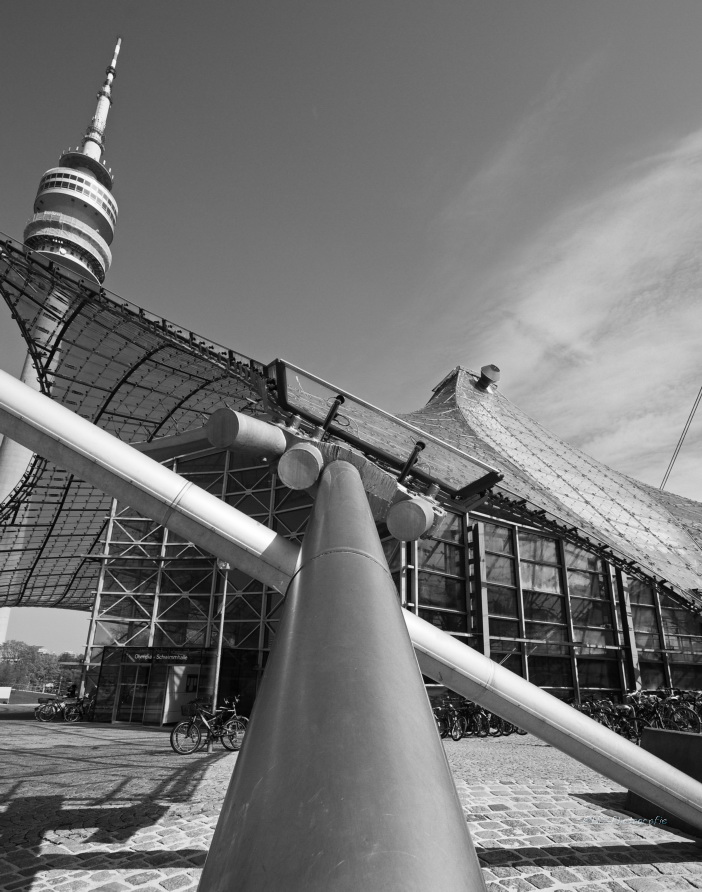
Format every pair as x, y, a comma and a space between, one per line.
83, 709
204, 726
664, 709
463, 718
49, 709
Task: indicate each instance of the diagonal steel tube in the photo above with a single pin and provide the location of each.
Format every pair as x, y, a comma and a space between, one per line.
114, 467
58, 434
342, 782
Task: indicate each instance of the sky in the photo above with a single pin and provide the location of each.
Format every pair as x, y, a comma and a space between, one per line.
382, 190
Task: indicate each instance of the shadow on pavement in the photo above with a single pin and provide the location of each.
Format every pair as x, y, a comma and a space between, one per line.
98, 785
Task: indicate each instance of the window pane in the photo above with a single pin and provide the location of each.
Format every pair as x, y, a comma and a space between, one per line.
553, 672
447, 622
586, 585
580, 559
499, 569
593, 637
513, 662
440, 591
503, 628
498, 538
548, 608
127, 608
590, 613
545, 632
449, 527
175, 608
680, 622
502, 600
196, 579
647, 640
536, 548
644, 618
651, 676
598, 673
688, 677
640, 592
441, 556
180, 634
121, 633
540, 576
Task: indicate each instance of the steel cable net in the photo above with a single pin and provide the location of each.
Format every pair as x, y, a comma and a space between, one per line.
131, 373
361, 423
572, 487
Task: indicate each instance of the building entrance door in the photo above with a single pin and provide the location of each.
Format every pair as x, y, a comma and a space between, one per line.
182, 688
131, 694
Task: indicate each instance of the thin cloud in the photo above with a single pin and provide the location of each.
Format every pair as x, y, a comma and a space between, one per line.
595, 318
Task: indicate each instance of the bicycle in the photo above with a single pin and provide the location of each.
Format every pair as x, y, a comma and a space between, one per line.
49, 709
441, 718
82, 709
221, 724
457, 722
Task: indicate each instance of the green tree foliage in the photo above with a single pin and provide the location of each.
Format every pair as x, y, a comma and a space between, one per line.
24, 666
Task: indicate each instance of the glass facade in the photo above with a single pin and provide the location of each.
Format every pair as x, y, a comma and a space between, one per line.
162, 603
549, 610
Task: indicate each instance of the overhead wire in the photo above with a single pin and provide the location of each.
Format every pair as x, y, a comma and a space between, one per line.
680, 441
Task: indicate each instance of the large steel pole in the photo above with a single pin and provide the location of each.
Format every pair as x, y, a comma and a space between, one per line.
114, 467
480, 679
73, 443
342, 782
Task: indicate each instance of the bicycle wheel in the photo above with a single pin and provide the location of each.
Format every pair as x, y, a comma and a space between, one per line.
72, 713
233, 734
458, 727
483, 720
185, 738
441, 726
496, 726
45, 713
685, 719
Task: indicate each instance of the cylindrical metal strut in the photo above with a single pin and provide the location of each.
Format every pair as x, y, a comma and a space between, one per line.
480, 679
58, 434
114, 467
342, 782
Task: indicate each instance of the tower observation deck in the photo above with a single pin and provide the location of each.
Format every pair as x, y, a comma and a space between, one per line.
74, 211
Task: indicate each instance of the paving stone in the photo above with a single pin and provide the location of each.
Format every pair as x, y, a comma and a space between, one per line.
115, 816
112, 887
659, 884
539, 881
139, 879
176, 882
517, 884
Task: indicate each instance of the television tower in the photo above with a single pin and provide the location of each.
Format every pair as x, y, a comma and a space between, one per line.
73, 224
74, 211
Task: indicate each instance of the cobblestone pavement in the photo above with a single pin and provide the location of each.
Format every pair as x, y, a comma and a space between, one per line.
112, 808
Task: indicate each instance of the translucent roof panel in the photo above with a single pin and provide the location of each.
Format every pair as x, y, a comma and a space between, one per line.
572, 487
387, 437
133, 374
139, 377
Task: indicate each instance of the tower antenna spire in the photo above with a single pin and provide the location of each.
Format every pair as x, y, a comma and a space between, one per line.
93, 141
75, 212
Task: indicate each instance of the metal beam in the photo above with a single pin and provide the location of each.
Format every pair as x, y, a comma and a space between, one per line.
342, 782
480, 679
72, 442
